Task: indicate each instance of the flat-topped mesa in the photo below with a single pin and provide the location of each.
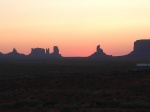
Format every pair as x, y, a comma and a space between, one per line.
141, 48
41, 53
99, 53
37, 52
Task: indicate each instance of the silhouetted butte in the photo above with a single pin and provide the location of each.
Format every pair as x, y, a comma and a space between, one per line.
99, 54
141, 48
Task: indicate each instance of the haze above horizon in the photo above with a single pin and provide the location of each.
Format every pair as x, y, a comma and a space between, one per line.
76, 26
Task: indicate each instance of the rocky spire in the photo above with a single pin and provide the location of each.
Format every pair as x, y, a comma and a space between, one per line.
98, 49
99, 53
14, 51
47, 51
55, 53
56, 50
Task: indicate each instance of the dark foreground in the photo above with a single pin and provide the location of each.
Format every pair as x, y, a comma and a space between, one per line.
73, 86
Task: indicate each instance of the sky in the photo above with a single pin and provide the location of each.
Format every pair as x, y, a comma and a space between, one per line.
75, 26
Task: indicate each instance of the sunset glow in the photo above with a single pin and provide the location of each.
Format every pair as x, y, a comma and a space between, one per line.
76, 26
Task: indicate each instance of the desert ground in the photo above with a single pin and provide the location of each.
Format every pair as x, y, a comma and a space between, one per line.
74, 85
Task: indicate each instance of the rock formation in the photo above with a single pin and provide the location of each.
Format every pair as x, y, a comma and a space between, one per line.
1, 55
40, 53
55, 53
47, 52
14, 51
14, 55
141, 49
142, 46
56, 50
99, 49
37, 52
99, 53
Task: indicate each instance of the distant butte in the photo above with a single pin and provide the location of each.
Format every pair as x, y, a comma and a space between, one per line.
141, 49
14, 55
99, 53
36, 54
56, 52
40, 53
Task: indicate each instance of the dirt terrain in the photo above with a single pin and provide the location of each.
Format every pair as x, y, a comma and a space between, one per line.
74, 85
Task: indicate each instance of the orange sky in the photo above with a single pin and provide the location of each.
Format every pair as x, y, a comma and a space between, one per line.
76, 26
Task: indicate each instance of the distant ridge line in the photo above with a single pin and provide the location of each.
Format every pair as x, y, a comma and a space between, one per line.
141, 50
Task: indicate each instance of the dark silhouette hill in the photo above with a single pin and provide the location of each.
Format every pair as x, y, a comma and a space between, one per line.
14, 55
36, 54
141, 49
41, 53
99, 54
1, 55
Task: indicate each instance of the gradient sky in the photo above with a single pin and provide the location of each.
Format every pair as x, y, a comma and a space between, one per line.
76, 26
